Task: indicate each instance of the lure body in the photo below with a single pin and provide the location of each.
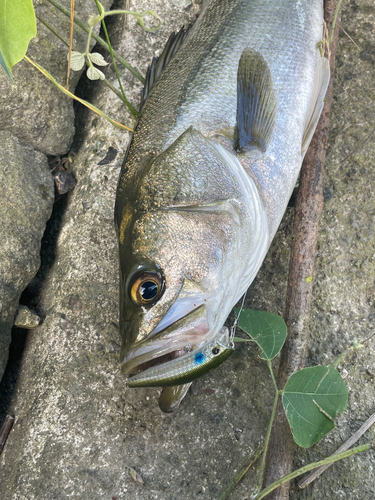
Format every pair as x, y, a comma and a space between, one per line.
186, 368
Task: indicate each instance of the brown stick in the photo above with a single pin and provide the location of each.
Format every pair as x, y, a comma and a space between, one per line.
5, 430
308, 209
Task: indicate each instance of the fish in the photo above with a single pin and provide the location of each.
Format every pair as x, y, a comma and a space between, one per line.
227, 113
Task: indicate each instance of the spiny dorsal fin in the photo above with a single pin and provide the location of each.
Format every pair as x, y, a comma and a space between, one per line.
158, 64
256, 101
321, 81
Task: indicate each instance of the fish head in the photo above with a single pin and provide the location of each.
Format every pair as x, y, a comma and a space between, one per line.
179, 238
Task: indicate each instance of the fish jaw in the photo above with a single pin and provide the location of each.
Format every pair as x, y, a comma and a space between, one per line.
184, 335
186, 368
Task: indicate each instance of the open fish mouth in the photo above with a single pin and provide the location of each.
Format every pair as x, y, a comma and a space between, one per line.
184, 337
179, 338
186, 368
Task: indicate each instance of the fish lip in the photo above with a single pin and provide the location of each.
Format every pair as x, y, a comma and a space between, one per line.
170, 342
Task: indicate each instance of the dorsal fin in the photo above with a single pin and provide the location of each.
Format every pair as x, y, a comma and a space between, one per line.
256, 101
158, 64
321, 81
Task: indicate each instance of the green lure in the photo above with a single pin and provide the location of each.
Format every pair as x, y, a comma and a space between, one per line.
183, 369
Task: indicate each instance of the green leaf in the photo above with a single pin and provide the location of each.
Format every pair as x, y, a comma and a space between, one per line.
17, 28
98, 59
5, 67
312, 398
95, 74
266, 329
77, 60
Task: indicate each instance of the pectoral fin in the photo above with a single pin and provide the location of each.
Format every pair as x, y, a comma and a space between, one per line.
256, 102
321, 81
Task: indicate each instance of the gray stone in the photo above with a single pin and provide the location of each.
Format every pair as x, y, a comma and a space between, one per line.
26, 318
183, 4
34, 115
34, 109
25, 206
79, 431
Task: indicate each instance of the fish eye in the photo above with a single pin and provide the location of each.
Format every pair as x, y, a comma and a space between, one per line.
215, 350
147, 288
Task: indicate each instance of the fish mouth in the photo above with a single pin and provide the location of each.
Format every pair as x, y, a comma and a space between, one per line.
187, 334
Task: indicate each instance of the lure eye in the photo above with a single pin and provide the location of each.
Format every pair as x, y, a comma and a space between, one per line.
147, 288
215, 350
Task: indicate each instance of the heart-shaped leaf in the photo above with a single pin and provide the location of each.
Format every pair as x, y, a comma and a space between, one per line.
95, 74
77, 60
312, 398
98, 59
266, 329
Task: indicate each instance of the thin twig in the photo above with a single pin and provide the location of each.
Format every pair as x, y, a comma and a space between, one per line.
70, 41
314, 465
308, 209
359, 147
52, 29
5, 430
353, 439
124, 99
240, 475
350, 38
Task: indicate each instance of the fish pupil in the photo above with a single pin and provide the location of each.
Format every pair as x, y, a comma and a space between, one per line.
149, 290
215, 350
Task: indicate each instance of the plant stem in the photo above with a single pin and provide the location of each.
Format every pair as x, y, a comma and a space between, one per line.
314, 465
70, 42
263, 462
138, 15
131, 108
105, 81
351, 348
272, 375
98, 39
123, 99
47, 25
334, 20
87, 51
241, 474
68, 93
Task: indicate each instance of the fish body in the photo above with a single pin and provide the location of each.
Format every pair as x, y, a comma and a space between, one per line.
207, 177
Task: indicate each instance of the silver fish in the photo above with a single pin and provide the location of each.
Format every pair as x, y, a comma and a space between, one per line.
229, 110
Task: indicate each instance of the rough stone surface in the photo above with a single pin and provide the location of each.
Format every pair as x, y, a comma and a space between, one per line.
27, 195
34, 109
34, 115
26, 318
79, 432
